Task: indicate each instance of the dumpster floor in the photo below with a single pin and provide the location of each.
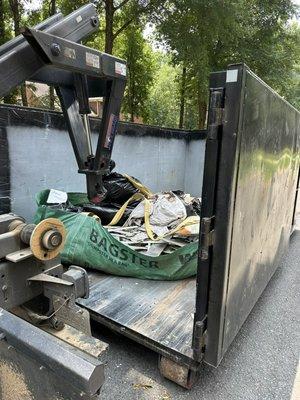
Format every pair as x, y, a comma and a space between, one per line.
158, 314
260, 365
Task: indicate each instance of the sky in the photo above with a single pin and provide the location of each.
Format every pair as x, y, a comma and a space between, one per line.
33, 5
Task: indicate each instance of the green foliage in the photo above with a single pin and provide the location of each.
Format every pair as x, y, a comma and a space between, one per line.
7, 31
5, 26
205, 35
141, 66
286, 77
200, 36
163, 101
292, 91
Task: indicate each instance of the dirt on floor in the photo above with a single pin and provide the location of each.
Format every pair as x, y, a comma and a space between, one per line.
12, 384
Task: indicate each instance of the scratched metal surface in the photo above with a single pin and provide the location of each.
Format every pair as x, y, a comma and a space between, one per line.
264, 201
160, 311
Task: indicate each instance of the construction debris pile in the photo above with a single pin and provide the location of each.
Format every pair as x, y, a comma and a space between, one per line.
160, 224
148, 223
132, 232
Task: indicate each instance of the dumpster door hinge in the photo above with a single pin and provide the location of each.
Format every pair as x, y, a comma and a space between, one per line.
207, 235
199, 339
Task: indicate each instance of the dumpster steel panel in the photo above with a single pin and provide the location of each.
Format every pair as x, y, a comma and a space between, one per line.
255, 203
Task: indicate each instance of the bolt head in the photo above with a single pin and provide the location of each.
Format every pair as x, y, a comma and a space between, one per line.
94, 21
55, 49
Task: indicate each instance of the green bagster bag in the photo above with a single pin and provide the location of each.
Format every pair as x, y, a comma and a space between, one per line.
90, 245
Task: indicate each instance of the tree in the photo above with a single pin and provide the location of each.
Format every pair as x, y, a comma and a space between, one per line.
204, 36
289, 86
141, 65
182, 95
188, 29
112, 14
5, 35
115, 10
163, 100
200, 36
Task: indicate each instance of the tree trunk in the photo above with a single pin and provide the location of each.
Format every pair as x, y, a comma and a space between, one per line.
109, 23
131, 114
202, 108
2, 23
24, 95
52, 9
182, 97
132, 110
4, 36
14, 6
131, 94
51, 98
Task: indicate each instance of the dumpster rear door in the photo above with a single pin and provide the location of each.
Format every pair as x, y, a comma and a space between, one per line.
254, 198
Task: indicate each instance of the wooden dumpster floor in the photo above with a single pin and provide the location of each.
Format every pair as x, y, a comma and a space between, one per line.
158, 314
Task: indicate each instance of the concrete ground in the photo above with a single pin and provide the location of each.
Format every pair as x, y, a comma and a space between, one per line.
260, 365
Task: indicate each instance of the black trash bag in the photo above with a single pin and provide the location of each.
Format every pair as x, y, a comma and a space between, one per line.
106, 212
118, 187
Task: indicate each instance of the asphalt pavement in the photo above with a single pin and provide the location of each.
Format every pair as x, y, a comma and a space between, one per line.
261, 363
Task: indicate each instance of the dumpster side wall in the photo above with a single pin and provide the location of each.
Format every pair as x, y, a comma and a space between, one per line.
265, 198
40, 156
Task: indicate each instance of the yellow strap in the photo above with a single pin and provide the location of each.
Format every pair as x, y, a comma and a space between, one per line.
186, 222
138, 185
194, 219
119, 214
143, 194
147, 211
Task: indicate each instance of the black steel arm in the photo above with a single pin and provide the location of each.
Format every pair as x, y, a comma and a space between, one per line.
12, 44
23, 62
78, 72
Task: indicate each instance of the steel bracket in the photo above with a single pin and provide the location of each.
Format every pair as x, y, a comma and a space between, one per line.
207, 235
